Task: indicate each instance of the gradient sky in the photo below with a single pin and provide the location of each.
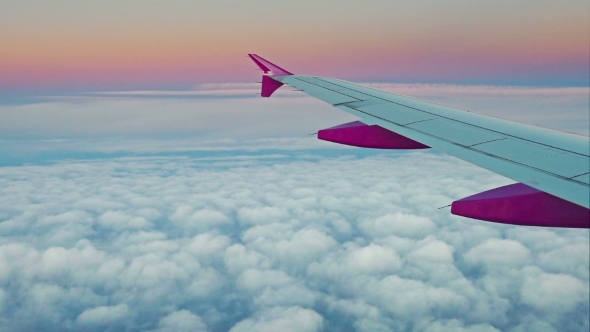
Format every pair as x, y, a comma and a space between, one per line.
61, 44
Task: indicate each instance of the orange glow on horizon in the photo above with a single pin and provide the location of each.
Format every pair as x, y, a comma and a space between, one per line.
167, 44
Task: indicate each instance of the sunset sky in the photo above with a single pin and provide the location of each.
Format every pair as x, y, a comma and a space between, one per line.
105, 45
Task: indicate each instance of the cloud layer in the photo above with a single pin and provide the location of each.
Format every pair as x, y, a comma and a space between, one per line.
267, 243
221, 117
221, 111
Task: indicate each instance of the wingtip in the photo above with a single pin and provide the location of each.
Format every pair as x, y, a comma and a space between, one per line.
267, 66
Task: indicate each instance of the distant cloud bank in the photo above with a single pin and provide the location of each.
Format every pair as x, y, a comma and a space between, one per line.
231, 116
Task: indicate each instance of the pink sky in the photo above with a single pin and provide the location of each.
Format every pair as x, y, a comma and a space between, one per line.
102, 45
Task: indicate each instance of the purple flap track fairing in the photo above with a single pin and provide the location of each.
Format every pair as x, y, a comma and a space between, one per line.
359, 134
519, 204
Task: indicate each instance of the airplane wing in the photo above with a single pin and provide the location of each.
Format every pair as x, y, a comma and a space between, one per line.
552, 168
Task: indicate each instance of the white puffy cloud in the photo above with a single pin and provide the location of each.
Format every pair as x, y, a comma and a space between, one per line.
103, 315
262, 215
399, 224
457, 326
120, 220
294, 319
200, 220
373, 258
411, 300
352, 261
498, 252
553, 293
294, 294
206, 245
275, 242
238, 258
181, 321
534, 326
255, 280
432, 251
573, 259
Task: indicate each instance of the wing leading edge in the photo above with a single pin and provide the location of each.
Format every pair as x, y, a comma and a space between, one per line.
552, 168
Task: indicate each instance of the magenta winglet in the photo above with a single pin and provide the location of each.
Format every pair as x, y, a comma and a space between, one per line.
269, 86
359, 134
267, 66
519, 204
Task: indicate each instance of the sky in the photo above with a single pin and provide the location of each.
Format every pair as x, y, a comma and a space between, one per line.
144, 186
72, 45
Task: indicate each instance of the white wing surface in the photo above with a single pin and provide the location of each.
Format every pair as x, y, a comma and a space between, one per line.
550, 161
